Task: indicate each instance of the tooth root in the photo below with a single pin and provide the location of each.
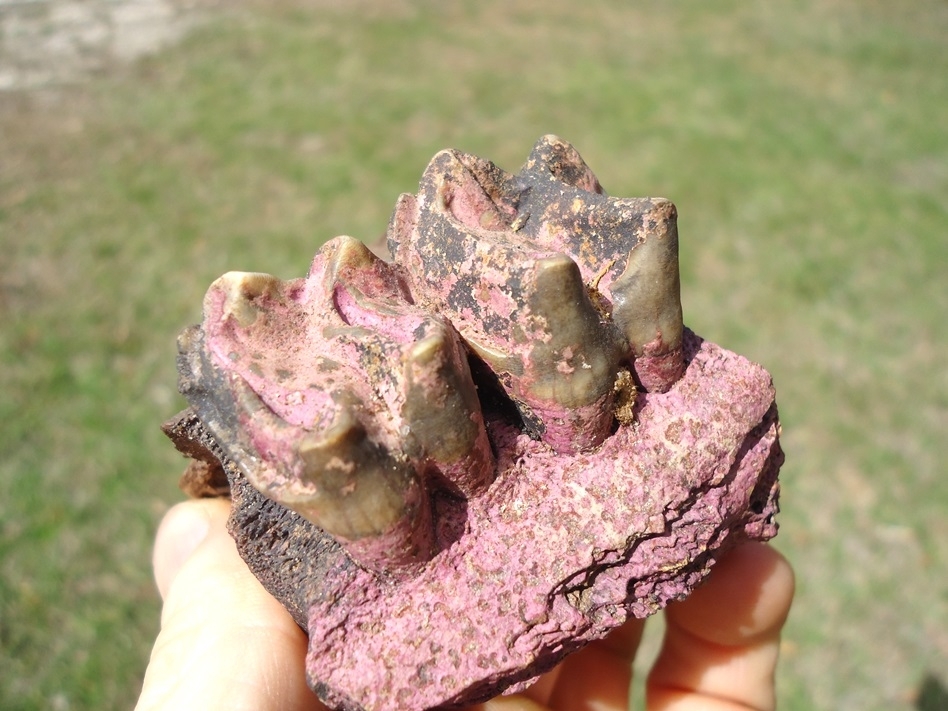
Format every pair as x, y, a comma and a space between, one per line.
352, 488
243, 292
571, 368
443, 413
647, 301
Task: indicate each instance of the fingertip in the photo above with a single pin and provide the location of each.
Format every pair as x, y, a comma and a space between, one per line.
721, 644
746, 598
184, 527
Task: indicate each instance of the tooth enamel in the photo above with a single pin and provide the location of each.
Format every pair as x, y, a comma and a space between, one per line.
575, 363
647, 296
355, 490
242, 289
443, 413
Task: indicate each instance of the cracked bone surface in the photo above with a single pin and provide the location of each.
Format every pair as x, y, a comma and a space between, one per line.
459, 466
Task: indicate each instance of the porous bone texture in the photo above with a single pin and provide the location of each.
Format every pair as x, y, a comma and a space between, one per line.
457, 467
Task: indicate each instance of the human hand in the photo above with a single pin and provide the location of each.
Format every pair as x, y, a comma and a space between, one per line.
225, 643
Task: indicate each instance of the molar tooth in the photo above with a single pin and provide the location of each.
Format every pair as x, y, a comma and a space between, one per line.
647, 301
242, 290
443, 412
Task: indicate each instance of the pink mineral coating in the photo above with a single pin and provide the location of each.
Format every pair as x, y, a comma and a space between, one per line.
529, 506
560, 550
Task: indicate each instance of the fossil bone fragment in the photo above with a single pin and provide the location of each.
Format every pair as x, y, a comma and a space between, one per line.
457, 467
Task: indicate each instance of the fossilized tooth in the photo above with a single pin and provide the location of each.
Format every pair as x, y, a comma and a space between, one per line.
348, 397
523, 310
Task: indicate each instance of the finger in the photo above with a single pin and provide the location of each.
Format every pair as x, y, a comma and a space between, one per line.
181, 531
532, 699
224, 641
514, 702
721, 644
598, 677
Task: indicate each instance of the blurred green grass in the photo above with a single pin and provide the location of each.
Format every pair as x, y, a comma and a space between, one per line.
804, 144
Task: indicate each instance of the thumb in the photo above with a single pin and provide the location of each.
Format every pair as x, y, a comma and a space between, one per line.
225, 642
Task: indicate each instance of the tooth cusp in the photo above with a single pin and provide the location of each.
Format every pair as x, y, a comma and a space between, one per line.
243, 294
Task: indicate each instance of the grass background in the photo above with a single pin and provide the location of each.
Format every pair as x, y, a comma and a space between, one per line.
804, 143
